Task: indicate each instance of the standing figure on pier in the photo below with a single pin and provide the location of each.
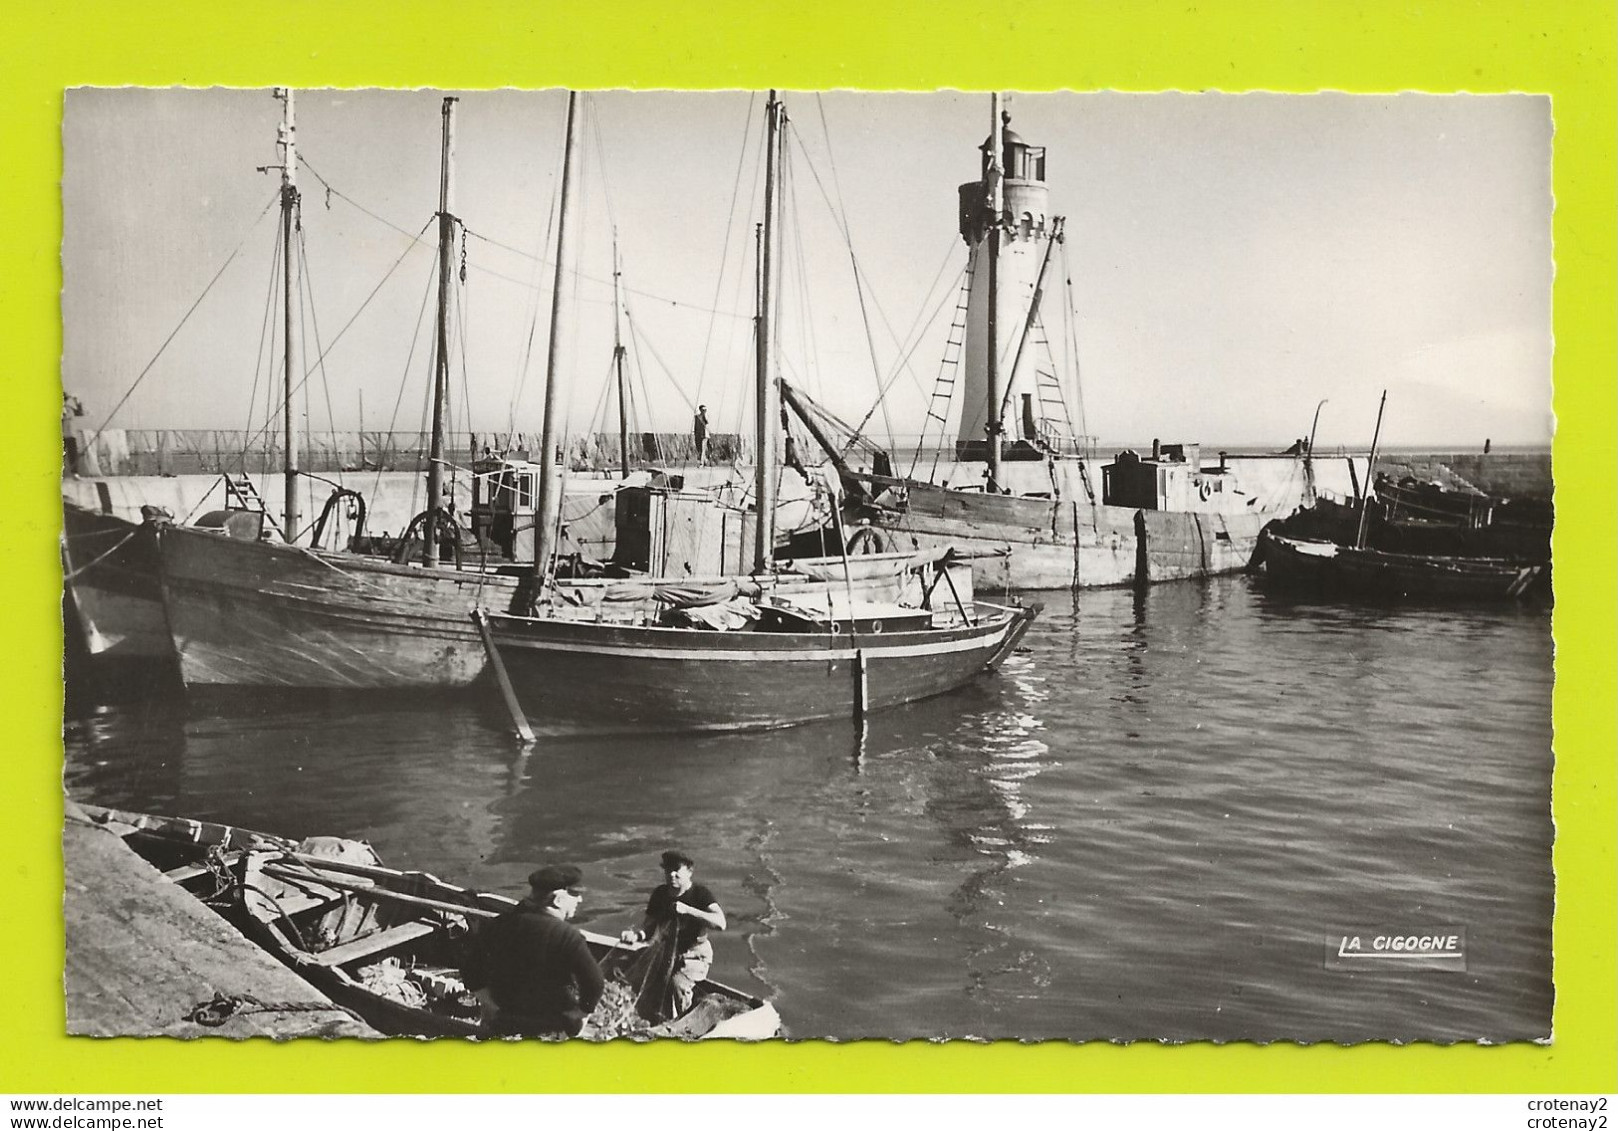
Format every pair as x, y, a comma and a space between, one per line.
699, 434
679, 915
533, 973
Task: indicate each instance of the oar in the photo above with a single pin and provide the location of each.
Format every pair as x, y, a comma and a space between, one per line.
283, 873
498, 666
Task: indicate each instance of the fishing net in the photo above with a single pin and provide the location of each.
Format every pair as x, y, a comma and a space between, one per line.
389, 979
652, 976
614, 1015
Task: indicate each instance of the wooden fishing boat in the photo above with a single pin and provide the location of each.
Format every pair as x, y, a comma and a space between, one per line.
774, 661
110, 579
387, 944
794, 663
1330, 569
266, 614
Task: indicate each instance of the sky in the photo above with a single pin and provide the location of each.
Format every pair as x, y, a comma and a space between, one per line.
1231, 260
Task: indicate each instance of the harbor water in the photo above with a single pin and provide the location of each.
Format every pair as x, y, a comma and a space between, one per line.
1156, 821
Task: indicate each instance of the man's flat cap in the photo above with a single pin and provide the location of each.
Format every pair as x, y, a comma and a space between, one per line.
554, 877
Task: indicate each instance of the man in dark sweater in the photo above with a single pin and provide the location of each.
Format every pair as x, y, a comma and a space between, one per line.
533, 972
690, 910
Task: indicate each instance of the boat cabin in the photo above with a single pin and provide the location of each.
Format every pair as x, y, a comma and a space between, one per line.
505, 500
1172, 479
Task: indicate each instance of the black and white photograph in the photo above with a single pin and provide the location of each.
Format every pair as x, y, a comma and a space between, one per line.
800, 565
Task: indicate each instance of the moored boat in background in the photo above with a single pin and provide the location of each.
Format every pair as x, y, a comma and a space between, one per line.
1331, 569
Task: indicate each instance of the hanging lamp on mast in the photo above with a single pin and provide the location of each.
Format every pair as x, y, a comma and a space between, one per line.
553, 461
446, 256
768, 392
287, 141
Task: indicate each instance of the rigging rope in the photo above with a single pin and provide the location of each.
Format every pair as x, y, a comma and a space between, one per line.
410, 357
320, 362
265, 356
724, 251
1073, 342
99, 558
222, 1007
841, 216
275, 413
185, 318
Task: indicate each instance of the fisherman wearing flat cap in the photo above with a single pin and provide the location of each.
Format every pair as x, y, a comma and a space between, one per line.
533, 972
690, 910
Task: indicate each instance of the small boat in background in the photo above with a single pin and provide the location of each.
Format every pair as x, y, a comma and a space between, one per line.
1325, 549
387, 944
1329, 568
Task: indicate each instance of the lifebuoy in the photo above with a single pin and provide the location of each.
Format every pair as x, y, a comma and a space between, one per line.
867, 540
876, 626
1203, 490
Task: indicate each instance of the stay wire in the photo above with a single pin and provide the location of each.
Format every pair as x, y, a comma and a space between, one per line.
274, 414
265, 342
404, 380
881, 313
314, 328
183, 320
1073, 345
918, 330
841, 218
724, 250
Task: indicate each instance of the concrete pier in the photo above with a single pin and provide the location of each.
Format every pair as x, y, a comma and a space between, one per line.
142, 954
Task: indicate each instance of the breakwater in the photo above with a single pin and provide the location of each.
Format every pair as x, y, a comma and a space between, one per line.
1514, 473
185, 451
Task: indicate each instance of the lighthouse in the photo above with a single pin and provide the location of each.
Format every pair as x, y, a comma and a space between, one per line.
1006, 224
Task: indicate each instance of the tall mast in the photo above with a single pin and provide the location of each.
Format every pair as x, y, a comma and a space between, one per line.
767, 396
1370, 473
553, 464
289, 221
446, 256
618, 352
997, 207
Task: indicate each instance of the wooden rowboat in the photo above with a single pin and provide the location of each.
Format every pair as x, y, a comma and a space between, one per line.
387, 944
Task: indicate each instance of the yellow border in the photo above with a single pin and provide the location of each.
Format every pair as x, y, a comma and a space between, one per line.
1565, 48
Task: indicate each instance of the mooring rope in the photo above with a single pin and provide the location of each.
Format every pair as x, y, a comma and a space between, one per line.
222, 1007
92, 563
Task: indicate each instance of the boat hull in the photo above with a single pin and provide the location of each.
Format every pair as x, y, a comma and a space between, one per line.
110, 571
260, 614
1328, 569
1032, 543
265, 614
632, 678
